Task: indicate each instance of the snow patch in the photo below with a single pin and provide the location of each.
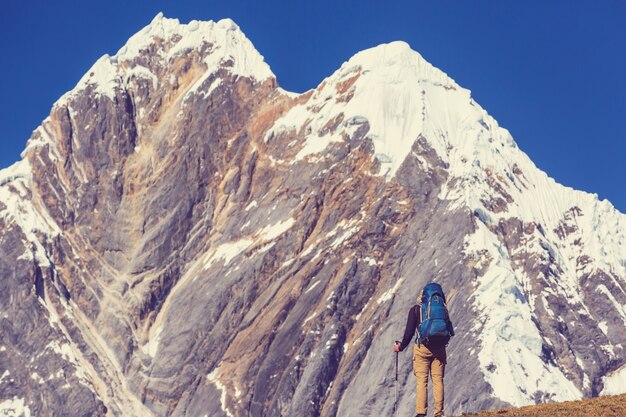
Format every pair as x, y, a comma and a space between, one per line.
15, 186
4, 376
388, 295
618, 307
216, 83
271, 232
40, 139
615, 382
315, 284
37, 378
65, 350
511, 345
15, 407
347, 234
252, 205
213, 378
152, 346
308, 319
226, 252
371, 261
314, 145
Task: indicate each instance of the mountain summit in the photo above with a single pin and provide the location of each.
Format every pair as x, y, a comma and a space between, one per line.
185, 238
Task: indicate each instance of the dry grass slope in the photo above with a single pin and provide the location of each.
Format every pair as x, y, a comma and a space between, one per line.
610, 406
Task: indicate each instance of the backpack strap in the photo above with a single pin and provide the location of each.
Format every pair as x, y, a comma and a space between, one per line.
418, 317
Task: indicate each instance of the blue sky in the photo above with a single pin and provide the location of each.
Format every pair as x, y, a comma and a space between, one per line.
552, 72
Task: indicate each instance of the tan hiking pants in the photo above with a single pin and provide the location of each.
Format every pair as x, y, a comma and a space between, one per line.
425, 362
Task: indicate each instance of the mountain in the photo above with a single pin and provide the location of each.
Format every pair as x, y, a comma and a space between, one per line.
185, 238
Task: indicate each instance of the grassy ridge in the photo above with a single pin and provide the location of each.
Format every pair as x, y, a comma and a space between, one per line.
610, 406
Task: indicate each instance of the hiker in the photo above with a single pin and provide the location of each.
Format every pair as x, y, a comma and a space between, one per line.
429, 321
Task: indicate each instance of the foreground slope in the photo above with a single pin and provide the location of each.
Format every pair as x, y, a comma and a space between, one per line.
611, 406
185, 238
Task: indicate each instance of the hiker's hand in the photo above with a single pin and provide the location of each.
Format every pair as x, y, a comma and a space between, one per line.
396, 347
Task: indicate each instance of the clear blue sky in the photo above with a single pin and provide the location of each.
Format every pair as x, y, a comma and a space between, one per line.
552, 72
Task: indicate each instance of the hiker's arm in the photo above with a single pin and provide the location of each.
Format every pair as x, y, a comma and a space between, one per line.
409, 331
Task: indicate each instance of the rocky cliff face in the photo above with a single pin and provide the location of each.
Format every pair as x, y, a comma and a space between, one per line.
185, 238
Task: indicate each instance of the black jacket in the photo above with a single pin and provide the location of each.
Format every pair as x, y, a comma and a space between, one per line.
411, 326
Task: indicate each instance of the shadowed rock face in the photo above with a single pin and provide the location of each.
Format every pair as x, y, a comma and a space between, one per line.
182, 250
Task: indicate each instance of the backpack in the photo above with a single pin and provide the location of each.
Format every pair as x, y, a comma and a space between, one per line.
434, 324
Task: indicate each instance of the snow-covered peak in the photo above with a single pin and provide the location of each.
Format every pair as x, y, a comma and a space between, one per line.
399, 58
226, 41
398, 93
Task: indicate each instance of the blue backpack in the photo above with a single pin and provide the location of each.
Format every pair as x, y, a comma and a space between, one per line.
434, 324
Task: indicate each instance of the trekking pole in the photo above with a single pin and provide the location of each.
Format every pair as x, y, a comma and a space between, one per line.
395, 404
